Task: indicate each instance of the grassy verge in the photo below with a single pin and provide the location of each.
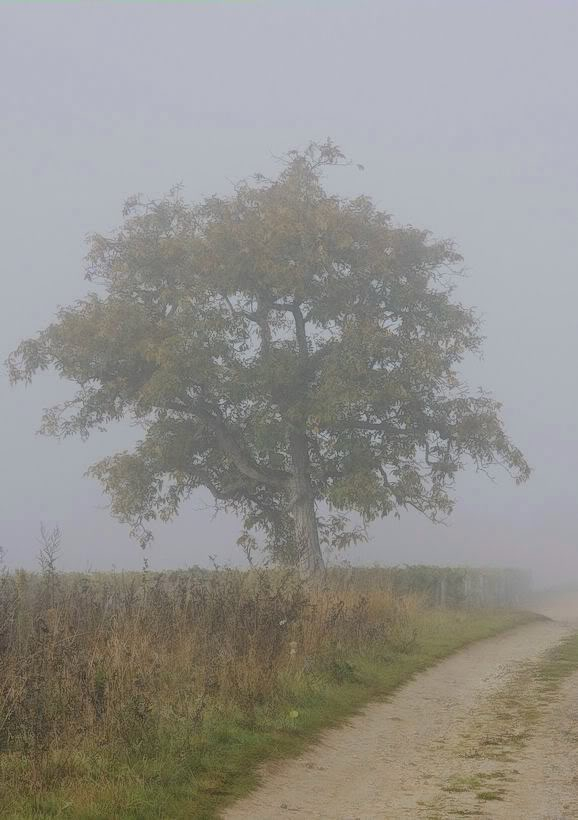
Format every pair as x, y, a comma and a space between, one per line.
167, 770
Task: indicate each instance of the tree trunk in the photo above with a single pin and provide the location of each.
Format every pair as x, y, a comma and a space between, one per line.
303, 504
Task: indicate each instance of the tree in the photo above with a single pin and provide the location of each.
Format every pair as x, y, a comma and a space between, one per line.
283, 348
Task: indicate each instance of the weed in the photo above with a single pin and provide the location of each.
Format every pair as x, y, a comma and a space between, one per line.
491, 795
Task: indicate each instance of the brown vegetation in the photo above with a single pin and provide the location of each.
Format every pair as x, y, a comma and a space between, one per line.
114, 670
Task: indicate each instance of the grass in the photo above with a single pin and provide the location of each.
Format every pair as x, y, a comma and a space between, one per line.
157, 697
491, 795
560, 662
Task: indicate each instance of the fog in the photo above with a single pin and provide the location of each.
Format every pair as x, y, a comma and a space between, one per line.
465, 118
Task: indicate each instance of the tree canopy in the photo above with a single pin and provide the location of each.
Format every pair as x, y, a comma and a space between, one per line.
294, 352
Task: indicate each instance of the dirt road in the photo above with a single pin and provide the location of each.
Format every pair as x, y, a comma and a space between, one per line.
473, 736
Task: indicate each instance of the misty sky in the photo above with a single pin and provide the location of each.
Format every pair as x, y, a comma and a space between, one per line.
465, 117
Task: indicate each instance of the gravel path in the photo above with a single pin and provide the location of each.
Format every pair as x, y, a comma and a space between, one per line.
409, 758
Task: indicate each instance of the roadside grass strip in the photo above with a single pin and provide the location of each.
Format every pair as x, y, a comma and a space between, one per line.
175, 773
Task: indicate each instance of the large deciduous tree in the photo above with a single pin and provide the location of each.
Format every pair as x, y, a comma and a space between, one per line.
292, 351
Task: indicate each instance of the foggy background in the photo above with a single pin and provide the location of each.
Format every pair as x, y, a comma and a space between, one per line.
465, 118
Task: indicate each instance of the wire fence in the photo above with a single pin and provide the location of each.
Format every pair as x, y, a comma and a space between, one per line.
476, 587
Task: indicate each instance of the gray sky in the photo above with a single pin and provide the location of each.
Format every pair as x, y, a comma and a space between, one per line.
465, 117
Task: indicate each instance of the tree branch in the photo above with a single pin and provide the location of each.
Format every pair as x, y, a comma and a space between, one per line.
228, 444
300, 333
259, 317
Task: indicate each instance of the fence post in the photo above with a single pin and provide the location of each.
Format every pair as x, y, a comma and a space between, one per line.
467, 589
482, 590
443, 591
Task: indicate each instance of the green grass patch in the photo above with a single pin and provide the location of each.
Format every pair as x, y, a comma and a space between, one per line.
560, 662
491, 795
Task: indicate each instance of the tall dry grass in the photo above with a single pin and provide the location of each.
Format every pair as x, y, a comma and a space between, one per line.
111, 658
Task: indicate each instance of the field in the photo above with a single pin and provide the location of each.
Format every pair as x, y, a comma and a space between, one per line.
155, 695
